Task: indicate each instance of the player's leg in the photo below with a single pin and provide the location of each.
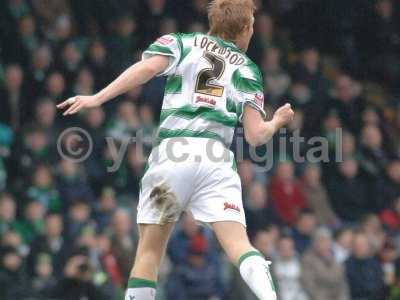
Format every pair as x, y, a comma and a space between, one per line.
253, 268
153, 240
217, 200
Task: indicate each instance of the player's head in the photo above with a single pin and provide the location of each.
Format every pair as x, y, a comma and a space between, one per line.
232, 20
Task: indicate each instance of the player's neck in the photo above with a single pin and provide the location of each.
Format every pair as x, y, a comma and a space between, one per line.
226, 40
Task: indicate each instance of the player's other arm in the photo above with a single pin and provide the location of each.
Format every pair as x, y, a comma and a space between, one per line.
257, 131
131, 78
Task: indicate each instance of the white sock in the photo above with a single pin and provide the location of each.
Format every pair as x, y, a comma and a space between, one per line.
140, 289
255, 272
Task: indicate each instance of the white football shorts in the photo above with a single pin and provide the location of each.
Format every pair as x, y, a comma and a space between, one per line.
197, 175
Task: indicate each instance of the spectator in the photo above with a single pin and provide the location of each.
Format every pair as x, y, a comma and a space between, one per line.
348, 192
44, 282
13, 239
247, 175
323, 278
84, 84
304, 230
123, 240
76, 281
287, 270
197, 274
55, 86
180, 242
41, 64
380, 29
348, 145
388, 256
259, 213
77, 220
125, 123
49, 13
299, 95
147, 126
33, 150
348, 103
109, 261
168, 25
266, 240
70, 62
286, 193
342, 244
388, 185
15, 110
395, 288
72, 184
265, 37
43, 189
28, 40
317, 196
123, 42
94, 123
32, 224
390, 217
97, 62
50, 243
308, 71
331, 123
135, 160
276, 79
372, 227
61, 31
363, 271
7, 213
106, 207
13, 280
45, 115
374, 157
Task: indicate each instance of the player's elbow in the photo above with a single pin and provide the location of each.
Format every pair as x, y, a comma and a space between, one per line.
253, 137
254, 127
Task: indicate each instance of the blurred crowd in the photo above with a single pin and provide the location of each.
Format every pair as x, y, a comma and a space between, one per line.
67, 230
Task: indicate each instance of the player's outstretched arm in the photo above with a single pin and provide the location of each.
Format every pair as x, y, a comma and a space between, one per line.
257, 131
131, 78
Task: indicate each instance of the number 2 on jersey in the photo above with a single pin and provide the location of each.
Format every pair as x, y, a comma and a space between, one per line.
206, 76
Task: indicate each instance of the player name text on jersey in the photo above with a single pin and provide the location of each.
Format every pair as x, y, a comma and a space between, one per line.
209, 45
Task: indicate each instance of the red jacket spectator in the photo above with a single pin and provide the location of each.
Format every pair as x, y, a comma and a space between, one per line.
391, 218
287, 197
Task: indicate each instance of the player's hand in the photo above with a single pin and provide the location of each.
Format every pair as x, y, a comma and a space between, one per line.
77, 103
283, 115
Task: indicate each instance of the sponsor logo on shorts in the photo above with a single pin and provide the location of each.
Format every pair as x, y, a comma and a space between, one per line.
231, 206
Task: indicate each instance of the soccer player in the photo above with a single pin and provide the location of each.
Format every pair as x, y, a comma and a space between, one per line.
211, 85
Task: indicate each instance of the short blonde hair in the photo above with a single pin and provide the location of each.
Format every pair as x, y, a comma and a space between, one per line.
228, 18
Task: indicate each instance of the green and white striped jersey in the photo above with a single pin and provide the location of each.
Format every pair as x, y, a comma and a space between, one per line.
208, 82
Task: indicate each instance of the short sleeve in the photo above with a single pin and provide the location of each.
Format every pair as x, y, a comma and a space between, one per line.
248, 84
168, 45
